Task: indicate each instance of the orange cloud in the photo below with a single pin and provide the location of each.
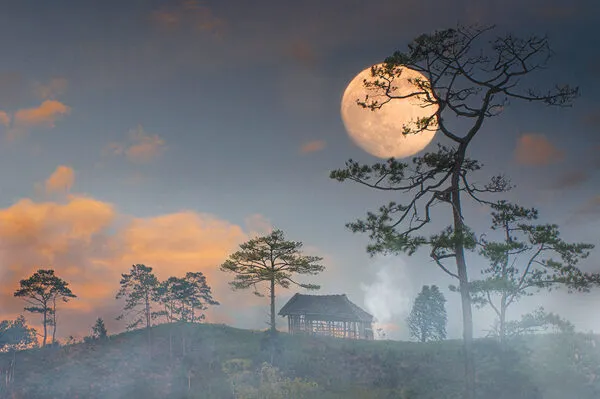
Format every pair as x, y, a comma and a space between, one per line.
141, 146
536, 150
302, 52
89, 244
61, 180
54, 88
189, 14
4, 119
312, 146
44, 115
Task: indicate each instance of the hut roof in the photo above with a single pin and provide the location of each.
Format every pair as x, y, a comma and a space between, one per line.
325, 307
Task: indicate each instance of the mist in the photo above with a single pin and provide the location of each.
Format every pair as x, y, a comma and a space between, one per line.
388, 298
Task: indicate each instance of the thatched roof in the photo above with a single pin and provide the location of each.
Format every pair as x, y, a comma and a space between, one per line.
325, 307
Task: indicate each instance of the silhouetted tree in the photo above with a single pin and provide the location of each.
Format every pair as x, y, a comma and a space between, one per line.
428, 318
42, 290
140, 289
271, 259
199, 295
16, 334
528, 258
99, 329
183, 298
468, 79
166, 295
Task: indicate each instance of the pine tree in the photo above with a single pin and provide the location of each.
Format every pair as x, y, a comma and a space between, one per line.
527, 258
99, 330
274, 260
42, 291
427, 320
140, 290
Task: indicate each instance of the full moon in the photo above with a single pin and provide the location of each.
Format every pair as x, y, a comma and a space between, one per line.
379, 132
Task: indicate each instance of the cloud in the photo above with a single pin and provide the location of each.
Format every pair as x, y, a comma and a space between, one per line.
535, 150
89, 244
571, 179
4, 119
49, 91
588, 164
188, 15
141, 146
301, 51
46, 114
24, 119
312, 146
590, 208
61, 180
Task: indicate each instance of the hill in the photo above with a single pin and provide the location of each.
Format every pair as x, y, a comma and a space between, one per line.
216, 361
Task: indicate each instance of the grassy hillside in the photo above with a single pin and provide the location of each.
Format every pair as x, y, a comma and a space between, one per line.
213, 361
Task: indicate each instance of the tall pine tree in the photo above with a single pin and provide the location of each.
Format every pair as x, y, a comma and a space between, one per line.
140, 289
42, 290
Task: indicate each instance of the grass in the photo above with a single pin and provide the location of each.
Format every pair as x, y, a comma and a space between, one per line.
186, 361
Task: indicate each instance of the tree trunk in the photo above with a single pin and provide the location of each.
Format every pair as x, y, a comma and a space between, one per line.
461, 267
273, 329
45, 324
502, 331
465, 296
54, 322
148, 321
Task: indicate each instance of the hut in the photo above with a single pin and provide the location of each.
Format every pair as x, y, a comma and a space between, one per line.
329, 315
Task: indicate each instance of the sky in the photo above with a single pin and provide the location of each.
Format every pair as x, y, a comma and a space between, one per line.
169, 132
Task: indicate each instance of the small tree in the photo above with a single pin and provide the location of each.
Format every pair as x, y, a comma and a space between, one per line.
427, 320
99, 329
271, 259
200, 295
185, 298
16, 335
42, 291
528, 258
139, 288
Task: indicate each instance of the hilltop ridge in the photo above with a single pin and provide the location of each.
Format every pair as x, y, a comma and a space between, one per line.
213, 361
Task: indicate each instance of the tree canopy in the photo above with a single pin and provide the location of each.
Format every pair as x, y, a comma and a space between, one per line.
529, 257
273, 259
138, 287
41, 291
17, 335
184, 299
99, 330
428, 318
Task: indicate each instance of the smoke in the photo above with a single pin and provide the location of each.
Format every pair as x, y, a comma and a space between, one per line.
388, 298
